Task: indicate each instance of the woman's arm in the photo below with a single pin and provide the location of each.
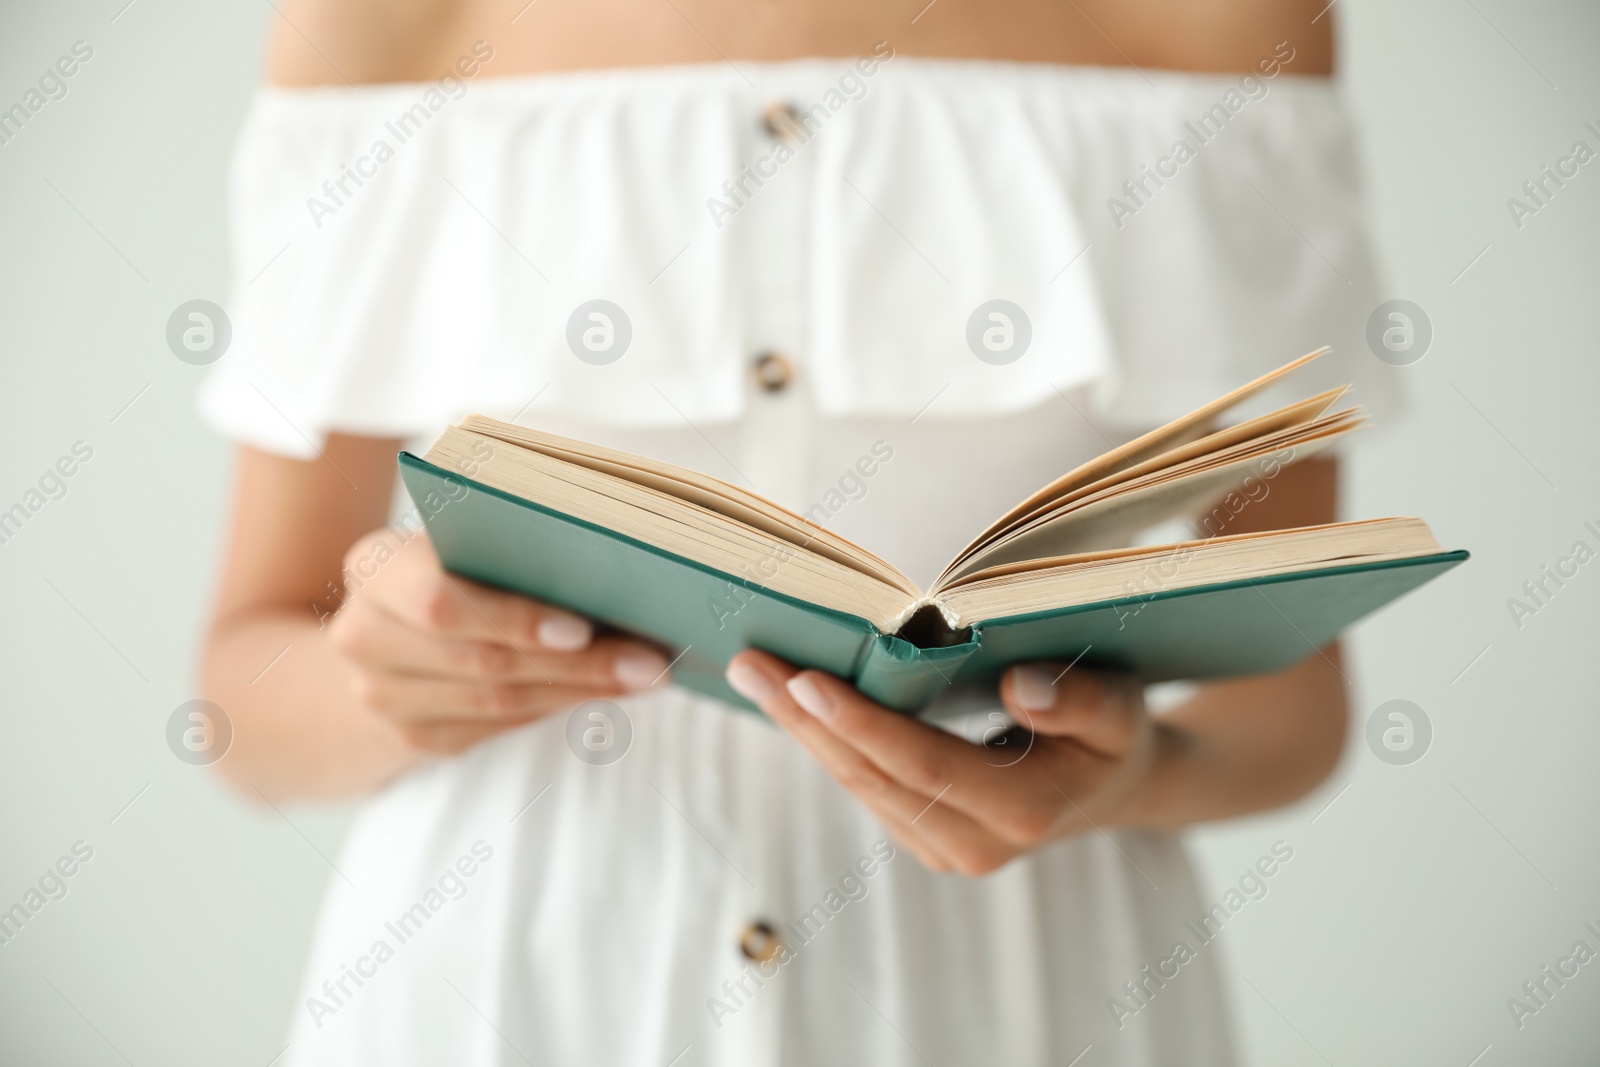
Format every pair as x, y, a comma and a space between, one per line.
1096, 759
335, 684
297, 733
1260, 742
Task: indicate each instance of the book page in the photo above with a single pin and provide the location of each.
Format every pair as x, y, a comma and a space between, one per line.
702, 490
1040, 585
1175, 434
676, 526
1176, 470
1254, 433
1112, 515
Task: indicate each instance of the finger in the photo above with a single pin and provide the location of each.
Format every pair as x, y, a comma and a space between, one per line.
940, 839
413, 699
916, 755
380, 641
912, 842
432, 601
951, 839
1099, 711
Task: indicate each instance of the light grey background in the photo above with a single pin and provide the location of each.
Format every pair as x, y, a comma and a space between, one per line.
1419, 898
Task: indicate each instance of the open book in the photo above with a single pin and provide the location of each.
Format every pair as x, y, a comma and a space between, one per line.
707, 567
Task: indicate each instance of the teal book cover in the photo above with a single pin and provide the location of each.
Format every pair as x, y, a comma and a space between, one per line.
705, 617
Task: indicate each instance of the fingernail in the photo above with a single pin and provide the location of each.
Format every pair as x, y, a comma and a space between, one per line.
1033, 688
809, 695
565, 633
750, 683
640, 670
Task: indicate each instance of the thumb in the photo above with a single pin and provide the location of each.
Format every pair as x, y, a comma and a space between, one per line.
1100, 711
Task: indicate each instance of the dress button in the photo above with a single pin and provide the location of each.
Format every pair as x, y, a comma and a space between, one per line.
773, 371
781, 120
758, 941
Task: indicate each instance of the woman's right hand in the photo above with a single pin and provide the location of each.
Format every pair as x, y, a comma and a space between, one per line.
449, 662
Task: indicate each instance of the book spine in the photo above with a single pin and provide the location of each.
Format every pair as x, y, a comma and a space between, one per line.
899, 675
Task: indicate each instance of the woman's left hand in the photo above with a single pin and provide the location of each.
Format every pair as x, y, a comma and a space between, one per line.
965, 807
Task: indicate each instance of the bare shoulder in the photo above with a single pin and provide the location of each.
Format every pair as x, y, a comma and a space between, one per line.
339, 42
1221, 36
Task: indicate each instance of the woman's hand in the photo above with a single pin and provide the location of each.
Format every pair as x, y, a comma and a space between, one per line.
964, 807
449, 662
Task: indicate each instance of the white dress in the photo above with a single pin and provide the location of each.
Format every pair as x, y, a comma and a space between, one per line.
519, 905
